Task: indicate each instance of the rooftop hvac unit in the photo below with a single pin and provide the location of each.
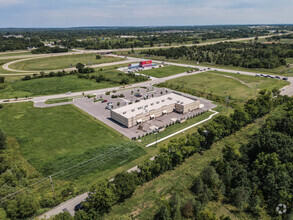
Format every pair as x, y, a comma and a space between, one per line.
178, 101
124, 113
133, 110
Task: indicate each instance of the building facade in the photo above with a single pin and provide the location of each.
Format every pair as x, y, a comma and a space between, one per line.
145, 110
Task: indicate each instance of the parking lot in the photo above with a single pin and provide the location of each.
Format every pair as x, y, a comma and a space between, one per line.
97, 107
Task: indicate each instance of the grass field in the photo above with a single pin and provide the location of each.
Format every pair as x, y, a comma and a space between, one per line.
57, 138
61, 62
148, 198
47, 86
166, 71
240, 87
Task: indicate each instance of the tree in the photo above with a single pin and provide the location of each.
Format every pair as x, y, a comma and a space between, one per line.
79, 66
163, 214
2, 79
98, 56
124, 80
23, 206
125, 185
206, 215
239, 197
62, 216
175, 204
2, 140
101, 197
2, 214
187, 210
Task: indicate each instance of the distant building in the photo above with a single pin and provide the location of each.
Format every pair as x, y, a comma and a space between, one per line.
133, 114
11, 35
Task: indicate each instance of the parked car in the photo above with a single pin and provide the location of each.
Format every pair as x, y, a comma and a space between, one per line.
285, 78
78, 207
238, 73
103, 101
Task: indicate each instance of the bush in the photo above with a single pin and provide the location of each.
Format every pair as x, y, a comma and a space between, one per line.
2, 79
2, 140
26, 78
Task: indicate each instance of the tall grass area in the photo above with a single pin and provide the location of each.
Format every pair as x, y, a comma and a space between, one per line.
61, 62
57, 138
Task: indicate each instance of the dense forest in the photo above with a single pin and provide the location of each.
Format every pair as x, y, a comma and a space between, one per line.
248, 55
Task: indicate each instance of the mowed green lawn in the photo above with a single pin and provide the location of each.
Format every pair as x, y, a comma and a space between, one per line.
61, 62
57, 138
48, 86
218, 84
166, 71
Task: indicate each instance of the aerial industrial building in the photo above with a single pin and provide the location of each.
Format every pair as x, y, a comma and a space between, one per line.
139, 112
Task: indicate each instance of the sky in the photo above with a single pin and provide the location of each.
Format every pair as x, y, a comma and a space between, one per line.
76, 13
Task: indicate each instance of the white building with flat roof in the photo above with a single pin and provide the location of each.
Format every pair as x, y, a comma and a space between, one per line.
148, 109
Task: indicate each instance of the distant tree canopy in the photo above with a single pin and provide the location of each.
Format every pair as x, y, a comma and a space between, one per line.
13, 43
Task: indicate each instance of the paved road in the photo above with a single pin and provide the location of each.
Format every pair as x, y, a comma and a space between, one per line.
288, 90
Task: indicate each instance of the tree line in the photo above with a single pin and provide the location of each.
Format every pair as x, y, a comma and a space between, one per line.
248, 55
46, 49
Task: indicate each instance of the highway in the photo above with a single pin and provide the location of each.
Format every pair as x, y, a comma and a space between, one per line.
78, 51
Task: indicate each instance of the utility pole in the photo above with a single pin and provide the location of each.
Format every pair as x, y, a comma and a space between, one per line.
52, 187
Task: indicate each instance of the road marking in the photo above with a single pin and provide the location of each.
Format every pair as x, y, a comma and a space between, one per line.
184, 129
